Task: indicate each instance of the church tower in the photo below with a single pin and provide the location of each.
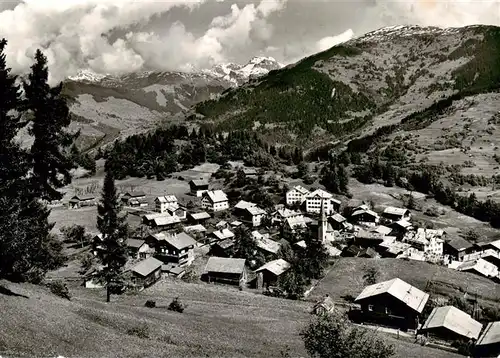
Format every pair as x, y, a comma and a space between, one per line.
322, 225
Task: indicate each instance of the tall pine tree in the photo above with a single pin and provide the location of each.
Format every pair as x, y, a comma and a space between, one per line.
51, 162
27, 250
113, 227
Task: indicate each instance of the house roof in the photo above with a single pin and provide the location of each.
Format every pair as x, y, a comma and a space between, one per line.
395, 211
134, 194
215, 196
167, 199
495, 244
424, 236
223, 234
402, 223
179, 241
225, 265
327, 303
166, 220
266, 244
236, 223
399, 289
249, 171
152, 216
198, 182
146, 267
83, 197
300, 189
384, 230
365, 211
242, 204
455, 320
482, 266
491, 334
255, 210
371, 253
225, 244
333, 251
458, 243
277, 267
369, 235
201, 216
321, 193
296, 222
195, 228
338, 218
286, 213
301, 243
221, 223
134, 243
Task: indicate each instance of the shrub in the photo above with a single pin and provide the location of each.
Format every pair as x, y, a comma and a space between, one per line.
60, 289
432, 211
141, 331
150, 304
176, 305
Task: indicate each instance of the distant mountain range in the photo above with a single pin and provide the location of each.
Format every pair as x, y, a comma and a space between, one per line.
105, 107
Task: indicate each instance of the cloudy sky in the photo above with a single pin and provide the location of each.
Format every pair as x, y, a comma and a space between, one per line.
119, 36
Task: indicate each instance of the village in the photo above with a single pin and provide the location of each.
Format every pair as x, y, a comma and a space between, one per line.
197, 237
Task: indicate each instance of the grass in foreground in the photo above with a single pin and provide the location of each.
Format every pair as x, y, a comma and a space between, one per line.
218, 322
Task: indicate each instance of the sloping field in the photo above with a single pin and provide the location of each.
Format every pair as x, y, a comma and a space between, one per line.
218, 322
346, 279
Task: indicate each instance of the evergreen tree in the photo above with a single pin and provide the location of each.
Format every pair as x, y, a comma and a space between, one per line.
343, 179
246, 248
314, 257
27, 250
113, 228
50, 120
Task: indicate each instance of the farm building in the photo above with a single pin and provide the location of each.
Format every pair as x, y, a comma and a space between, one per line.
174, 248
400, 228
226, 270
138, 249
449, 323
195, 229
223, 248
393, 302
365, 217
250, 172
457, 248
268, 274
198, 187
396, 214
241, 206
280, 215
254, 216
488, 344
479, 267
146, 272
198, 218
79, 201
338, 222
324, 306
221, 235
134, 198
265, 244
214, 200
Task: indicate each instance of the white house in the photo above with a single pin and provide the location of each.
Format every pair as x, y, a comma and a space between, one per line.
396, 214
163, 202
214, 200
255, 215
296, 195
429, 241
317, 197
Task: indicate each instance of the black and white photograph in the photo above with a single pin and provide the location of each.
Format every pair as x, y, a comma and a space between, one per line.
249, 178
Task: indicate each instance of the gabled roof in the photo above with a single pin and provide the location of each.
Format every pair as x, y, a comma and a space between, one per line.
166, 199
277, 267
215, 196
152, 216
134, 243
333, 251
225, 244
235, 223
166, 220
495, 244
491, 334
242, 205
455, 320
402, 223
300, 189
363, 211
266, 244
83, 197
198, 182
201, 216
286, 213
221, 223
338, 218
250, 171
255, 210
178, 241
223, 234
146, 267
134, 194
395, 211
459, 243
320, 193
384, 230
301, 243
225, 265
482, 266
195, 228
368, 252
399, 289
296, 222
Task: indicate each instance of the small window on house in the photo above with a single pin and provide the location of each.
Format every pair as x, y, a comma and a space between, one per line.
370, 307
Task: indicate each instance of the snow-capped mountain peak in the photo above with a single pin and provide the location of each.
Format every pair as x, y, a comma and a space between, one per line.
87, 75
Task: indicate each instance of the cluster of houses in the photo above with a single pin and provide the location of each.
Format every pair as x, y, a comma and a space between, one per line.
396, 303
